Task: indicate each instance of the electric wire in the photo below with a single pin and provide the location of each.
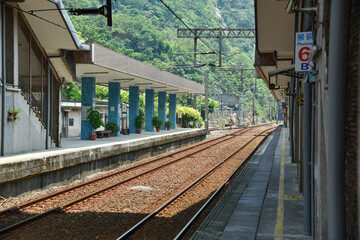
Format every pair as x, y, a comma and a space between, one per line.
186, 25
31, 12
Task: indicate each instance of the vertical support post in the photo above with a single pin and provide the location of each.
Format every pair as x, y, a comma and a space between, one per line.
264, 105
195, 50
87, 102
133, 107
338, 45
312, 162
3, 71
195, 107
207, 101
307, 137
270, 115
114, 107
307, 156
291, 122
48, 100
277, 112
149, 109
242, 109
220, 47
253, 102
172, 110
162, 108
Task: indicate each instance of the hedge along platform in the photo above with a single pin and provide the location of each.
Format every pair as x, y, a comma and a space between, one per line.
78, 158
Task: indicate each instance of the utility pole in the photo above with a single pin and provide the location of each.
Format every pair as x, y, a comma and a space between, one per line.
264, 106
206, 101
242, 109
219, 33
277, 111
270, 116
254, 91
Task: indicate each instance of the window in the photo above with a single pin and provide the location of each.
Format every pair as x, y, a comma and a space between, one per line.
9, 31
33, 77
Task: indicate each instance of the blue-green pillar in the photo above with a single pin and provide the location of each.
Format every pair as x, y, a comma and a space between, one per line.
133, 107
87, 102
149, 109
114, 104
172, 110
162, 108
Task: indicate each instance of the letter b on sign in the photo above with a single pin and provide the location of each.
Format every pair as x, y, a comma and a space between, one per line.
304, 66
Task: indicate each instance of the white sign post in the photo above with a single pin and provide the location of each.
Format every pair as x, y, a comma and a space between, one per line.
304, 43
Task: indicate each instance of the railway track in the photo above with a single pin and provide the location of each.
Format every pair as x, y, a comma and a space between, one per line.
148, 226
17, 217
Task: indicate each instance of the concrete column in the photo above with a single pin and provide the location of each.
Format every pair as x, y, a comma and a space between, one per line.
149, 110
87, 102
162, 107
133, 107
114, 104
172, 110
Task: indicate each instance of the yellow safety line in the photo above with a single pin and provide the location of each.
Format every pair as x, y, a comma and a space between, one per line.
279, 227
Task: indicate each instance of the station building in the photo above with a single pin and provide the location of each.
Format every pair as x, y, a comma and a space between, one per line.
41, 51
322, 104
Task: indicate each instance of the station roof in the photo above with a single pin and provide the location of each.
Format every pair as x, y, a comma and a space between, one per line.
275, 42
51, 24
53, 29
109, 66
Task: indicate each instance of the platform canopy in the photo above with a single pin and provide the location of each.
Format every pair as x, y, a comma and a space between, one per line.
54, 30
51, 24
109, 66
274, 44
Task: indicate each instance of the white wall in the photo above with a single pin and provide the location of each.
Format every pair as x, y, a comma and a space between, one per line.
26, 135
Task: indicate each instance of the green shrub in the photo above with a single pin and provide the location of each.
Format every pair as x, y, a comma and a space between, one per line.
168, 123
95, 118
139, 120
157, 122
112, 126
189, 117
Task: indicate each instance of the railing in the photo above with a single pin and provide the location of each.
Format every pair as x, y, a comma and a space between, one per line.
40, 109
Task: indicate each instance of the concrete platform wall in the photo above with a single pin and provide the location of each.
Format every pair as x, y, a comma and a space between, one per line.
50, 169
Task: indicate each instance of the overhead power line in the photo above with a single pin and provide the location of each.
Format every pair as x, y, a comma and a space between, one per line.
186, 25
31, 12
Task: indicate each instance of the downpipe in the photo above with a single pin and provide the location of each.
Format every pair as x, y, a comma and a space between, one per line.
338, 40
3, 73
48, 118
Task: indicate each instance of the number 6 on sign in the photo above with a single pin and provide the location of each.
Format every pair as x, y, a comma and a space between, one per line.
304, 54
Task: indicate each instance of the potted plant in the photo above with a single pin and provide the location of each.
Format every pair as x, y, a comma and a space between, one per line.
139, 120
95, 120
13, 115
157, 122
168, 124
113, 127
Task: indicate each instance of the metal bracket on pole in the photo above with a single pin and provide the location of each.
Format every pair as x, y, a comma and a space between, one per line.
105, 10
312, 76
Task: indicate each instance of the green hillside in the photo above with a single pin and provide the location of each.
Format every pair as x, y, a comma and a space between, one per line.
146, 30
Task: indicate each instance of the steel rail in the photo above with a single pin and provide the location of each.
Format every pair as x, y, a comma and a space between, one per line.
110, 175
196, 215
167, 203
28, 220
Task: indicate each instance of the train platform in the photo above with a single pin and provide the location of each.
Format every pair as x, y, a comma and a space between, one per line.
76, 158
263, 202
